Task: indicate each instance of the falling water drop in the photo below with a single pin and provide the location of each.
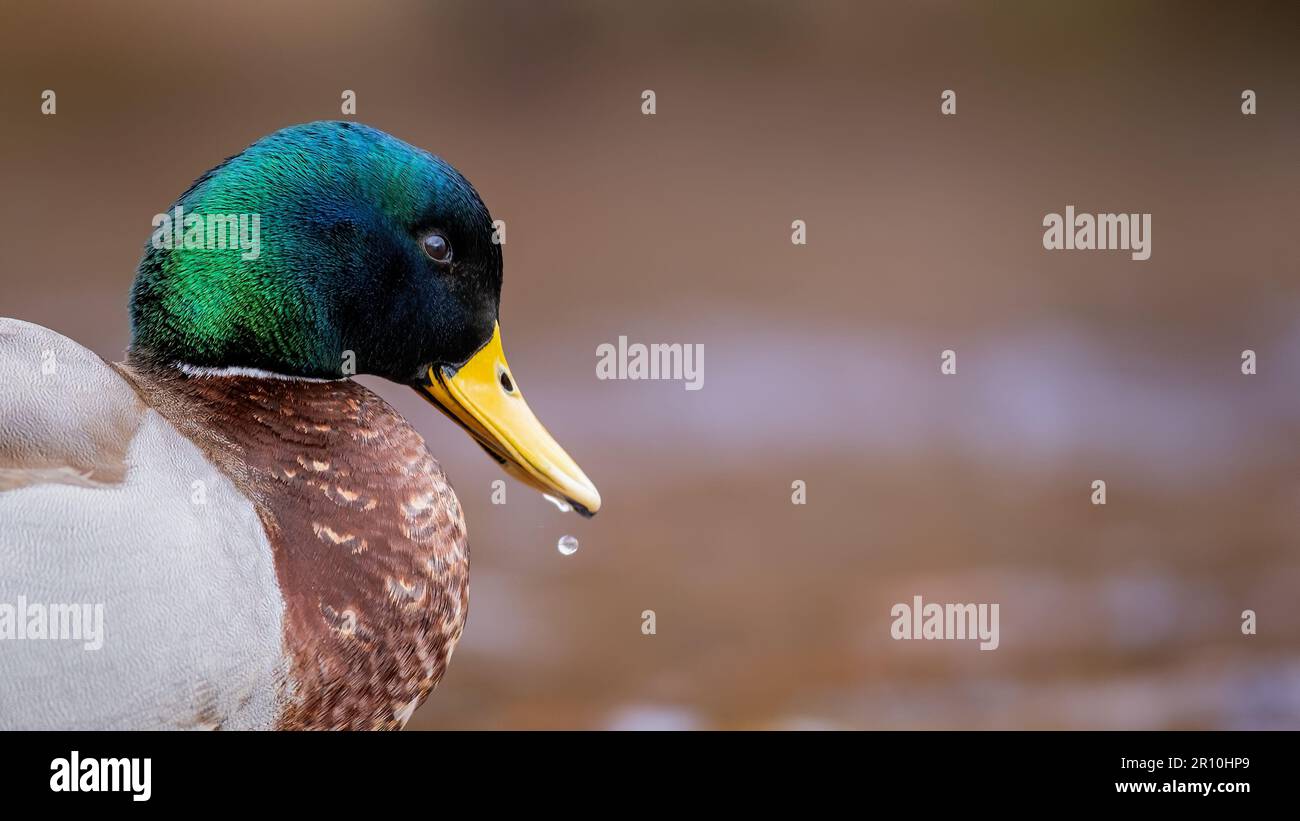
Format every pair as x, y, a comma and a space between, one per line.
564, 506
567, 545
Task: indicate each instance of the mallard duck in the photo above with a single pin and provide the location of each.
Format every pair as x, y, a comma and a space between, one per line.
268, 543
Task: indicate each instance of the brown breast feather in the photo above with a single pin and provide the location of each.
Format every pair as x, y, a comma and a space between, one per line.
369, 539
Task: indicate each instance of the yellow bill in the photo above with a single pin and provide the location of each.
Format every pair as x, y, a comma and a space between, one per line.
484, 399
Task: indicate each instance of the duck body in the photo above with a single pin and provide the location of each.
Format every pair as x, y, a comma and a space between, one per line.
269, 552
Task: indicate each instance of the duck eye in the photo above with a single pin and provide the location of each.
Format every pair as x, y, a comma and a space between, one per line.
437, 248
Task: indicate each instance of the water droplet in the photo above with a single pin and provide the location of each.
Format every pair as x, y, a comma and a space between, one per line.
564, 506
567, 545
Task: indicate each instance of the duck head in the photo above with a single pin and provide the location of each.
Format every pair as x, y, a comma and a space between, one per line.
355, 253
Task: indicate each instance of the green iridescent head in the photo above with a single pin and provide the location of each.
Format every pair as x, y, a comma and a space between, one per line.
319, 247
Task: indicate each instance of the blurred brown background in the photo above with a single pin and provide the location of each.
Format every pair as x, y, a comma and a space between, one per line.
821, 362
